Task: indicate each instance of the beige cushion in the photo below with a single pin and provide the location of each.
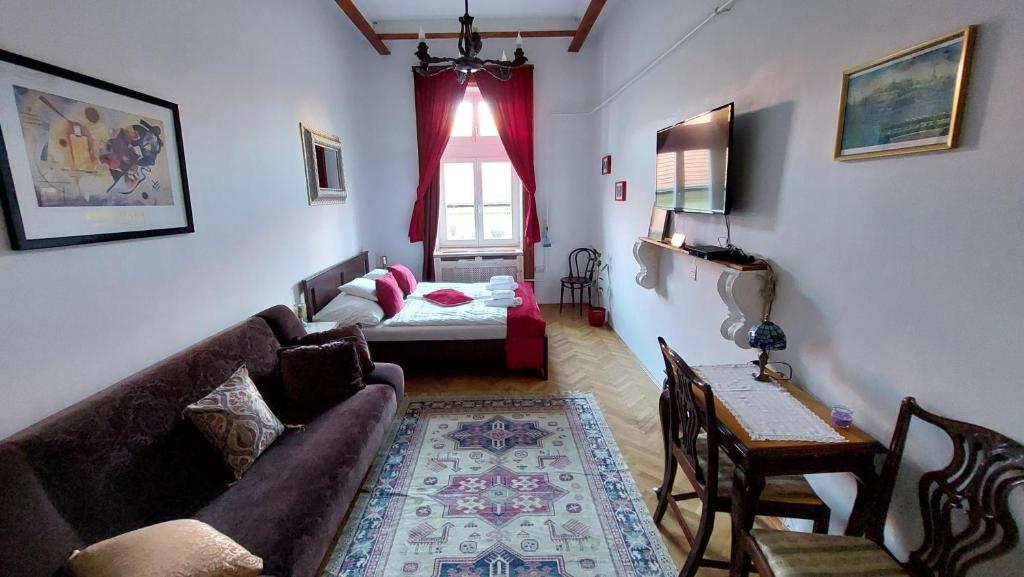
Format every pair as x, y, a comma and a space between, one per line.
172, 549
793, 554
236, 420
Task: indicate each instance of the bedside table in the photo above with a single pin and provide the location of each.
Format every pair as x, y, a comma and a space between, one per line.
315, 327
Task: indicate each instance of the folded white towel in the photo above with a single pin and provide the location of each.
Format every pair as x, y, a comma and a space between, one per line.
502, 279
502, 287
504, 303
503, 294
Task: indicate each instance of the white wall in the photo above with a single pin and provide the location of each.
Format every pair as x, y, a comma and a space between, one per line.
77, 319
563, 81
898, 276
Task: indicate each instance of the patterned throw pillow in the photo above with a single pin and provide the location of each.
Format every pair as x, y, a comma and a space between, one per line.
169, 549
236, 420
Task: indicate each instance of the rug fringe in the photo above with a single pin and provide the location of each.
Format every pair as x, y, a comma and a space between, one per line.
426, 398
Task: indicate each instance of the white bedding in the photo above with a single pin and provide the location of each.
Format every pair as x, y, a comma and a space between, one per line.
384, 332
421, 313
477, 290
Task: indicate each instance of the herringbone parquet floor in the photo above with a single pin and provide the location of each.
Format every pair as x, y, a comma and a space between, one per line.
583, 358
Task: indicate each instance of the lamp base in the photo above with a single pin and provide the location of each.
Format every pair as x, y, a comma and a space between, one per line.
762, 362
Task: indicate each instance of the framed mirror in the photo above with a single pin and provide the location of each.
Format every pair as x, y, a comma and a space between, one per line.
325, 172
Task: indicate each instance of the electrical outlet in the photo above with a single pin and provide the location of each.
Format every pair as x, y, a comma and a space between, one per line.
693, 270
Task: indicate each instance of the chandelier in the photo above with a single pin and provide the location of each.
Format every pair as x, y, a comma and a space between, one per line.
468, 62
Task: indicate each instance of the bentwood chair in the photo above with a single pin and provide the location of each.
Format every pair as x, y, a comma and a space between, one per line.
692, 441
582, 266
964, 507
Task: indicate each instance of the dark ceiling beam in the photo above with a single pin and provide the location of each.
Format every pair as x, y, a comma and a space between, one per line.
353, 13
451, 35
589, 18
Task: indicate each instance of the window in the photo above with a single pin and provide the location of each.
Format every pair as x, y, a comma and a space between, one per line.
693, 173
696, 171
481, 195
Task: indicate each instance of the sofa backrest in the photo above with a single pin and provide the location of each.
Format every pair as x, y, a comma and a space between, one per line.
124, 458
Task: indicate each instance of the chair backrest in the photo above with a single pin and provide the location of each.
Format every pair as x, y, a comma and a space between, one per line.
689, 418
965, 505
582, 263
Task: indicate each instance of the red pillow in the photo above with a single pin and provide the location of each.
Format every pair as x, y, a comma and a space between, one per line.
389, 296
406, 280
448, 297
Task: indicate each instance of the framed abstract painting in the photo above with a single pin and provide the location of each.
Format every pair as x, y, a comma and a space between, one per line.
83, 160
910, 101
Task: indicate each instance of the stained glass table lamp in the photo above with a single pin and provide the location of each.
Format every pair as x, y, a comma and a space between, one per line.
766, 336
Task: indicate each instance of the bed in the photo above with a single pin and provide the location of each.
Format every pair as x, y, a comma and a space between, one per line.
516, 339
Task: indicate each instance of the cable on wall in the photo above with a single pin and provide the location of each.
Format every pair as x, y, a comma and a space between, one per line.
719, 10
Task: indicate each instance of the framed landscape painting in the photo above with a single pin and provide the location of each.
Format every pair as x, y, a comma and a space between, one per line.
83, 160
911, 101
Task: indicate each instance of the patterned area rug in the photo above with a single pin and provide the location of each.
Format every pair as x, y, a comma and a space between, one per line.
488, 487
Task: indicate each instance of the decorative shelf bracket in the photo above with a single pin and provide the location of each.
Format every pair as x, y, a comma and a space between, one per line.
646, 256
743, 294
741, 288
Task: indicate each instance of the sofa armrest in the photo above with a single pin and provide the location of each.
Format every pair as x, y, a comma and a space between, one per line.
283, 322
34, 538
388, 374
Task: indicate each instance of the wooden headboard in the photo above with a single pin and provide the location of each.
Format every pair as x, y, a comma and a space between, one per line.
320, 288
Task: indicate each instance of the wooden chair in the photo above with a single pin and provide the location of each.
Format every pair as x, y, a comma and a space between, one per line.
582, 265
692, 440
964, 507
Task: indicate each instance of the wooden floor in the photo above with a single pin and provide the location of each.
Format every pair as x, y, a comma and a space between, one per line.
595, 360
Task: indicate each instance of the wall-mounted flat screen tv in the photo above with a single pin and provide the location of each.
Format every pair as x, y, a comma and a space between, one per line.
693, 163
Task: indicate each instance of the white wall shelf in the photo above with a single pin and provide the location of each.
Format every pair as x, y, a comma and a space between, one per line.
740, 285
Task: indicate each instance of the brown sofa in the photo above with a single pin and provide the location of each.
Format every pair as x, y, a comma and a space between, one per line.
124, 458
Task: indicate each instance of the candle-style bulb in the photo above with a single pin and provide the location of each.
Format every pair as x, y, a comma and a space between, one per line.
422, 35
519, 40
504, 57
476, 29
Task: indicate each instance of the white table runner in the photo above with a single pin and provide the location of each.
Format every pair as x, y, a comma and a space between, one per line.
766, 410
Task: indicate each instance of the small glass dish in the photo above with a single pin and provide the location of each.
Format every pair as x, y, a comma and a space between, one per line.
842, 416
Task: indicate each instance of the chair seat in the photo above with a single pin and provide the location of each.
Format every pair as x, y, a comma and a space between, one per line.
577, 280
793, 554
782, 489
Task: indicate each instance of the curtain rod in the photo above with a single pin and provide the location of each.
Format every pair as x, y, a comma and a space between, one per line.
723, 8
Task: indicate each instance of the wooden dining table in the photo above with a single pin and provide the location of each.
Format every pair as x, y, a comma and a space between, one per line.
757, 460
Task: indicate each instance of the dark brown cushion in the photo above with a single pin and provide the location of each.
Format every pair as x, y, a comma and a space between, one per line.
354, 331
317, 377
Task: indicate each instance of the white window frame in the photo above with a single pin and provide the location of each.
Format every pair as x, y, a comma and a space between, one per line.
478, 149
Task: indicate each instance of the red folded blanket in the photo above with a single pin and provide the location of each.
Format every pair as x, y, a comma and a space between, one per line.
524, 339
448, 297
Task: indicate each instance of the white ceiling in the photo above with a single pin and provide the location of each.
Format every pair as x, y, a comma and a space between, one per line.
483, 10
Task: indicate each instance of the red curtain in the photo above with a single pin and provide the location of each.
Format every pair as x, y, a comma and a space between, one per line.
511, 103
431, 212
437, 98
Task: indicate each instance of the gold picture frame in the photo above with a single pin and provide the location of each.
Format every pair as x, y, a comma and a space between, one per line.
902, 110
